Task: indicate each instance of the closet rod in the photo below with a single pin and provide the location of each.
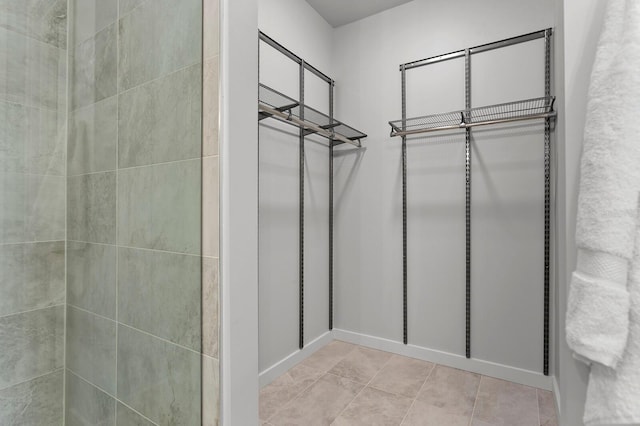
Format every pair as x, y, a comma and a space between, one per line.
289, 54
306, 125
477, 49
470, 125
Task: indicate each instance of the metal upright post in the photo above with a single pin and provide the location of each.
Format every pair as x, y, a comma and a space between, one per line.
467, 78
301, 174
404, 207
547, 197
331, 86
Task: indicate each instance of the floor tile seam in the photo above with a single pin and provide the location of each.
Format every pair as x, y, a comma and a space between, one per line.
289, 401
538, 405
363, 388
433, 367
475, 401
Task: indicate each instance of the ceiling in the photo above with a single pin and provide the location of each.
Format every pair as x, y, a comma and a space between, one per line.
341, 12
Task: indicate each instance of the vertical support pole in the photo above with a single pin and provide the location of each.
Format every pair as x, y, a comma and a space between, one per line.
467, 85
547, 197
331, 87
301, 165
404, 207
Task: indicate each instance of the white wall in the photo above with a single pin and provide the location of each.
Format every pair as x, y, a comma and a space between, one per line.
297, 26
507, 215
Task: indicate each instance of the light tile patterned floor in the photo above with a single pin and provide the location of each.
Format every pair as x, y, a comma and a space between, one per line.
347, 385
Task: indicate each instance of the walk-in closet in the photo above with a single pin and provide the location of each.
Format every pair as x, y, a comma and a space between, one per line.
405, 199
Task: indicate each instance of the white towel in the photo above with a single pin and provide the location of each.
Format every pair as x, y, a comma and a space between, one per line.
602, 314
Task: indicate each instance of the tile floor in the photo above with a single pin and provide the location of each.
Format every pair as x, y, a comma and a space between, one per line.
344, 384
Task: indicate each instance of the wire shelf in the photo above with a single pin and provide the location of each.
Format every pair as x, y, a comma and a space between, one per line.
272, 103
529, 109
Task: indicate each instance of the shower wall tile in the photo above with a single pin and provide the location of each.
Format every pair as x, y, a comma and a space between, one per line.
91, 277
86, 404
94, 72
91, 210
210, 307
36, 402
159, 207
157, 38
91, 16
158, 379
32, 72
13, 137
13, 193
45, 218
127, 417
211, 107
127, 6
93, 138
152, 130
43, 20
32, 344
32, 276
91, 348
210, 207
160, 293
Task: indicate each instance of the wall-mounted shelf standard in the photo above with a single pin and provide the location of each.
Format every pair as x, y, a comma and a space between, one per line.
272, 103
466, 119
529, 109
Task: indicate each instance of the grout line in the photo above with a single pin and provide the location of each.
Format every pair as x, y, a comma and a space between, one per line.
170, 73
363, 388
475, 401
32, 310
22, 382
110, 395
418, 393
162, 163
117, 246
117, 161
2, 245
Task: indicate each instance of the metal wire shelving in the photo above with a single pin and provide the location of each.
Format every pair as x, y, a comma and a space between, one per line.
528, 109
272, 103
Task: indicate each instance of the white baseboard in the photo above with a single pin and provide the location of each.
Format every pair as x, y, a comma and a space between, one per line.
281, 367
486, 368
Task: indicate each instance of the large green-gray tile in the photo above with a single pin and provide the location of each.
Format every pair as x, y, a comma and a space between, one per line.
87, 405
160, 293
32, 344
34, 403
91, 277
32, 276
44, 20
127, 417
160, 380
93, 138
91, 16
157, 38
13, 136
31, 140
13, 193
94, 70
91, 210
45, 215
159, 207
33, 73
127, 6
210, 306
161, 121
91, 348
